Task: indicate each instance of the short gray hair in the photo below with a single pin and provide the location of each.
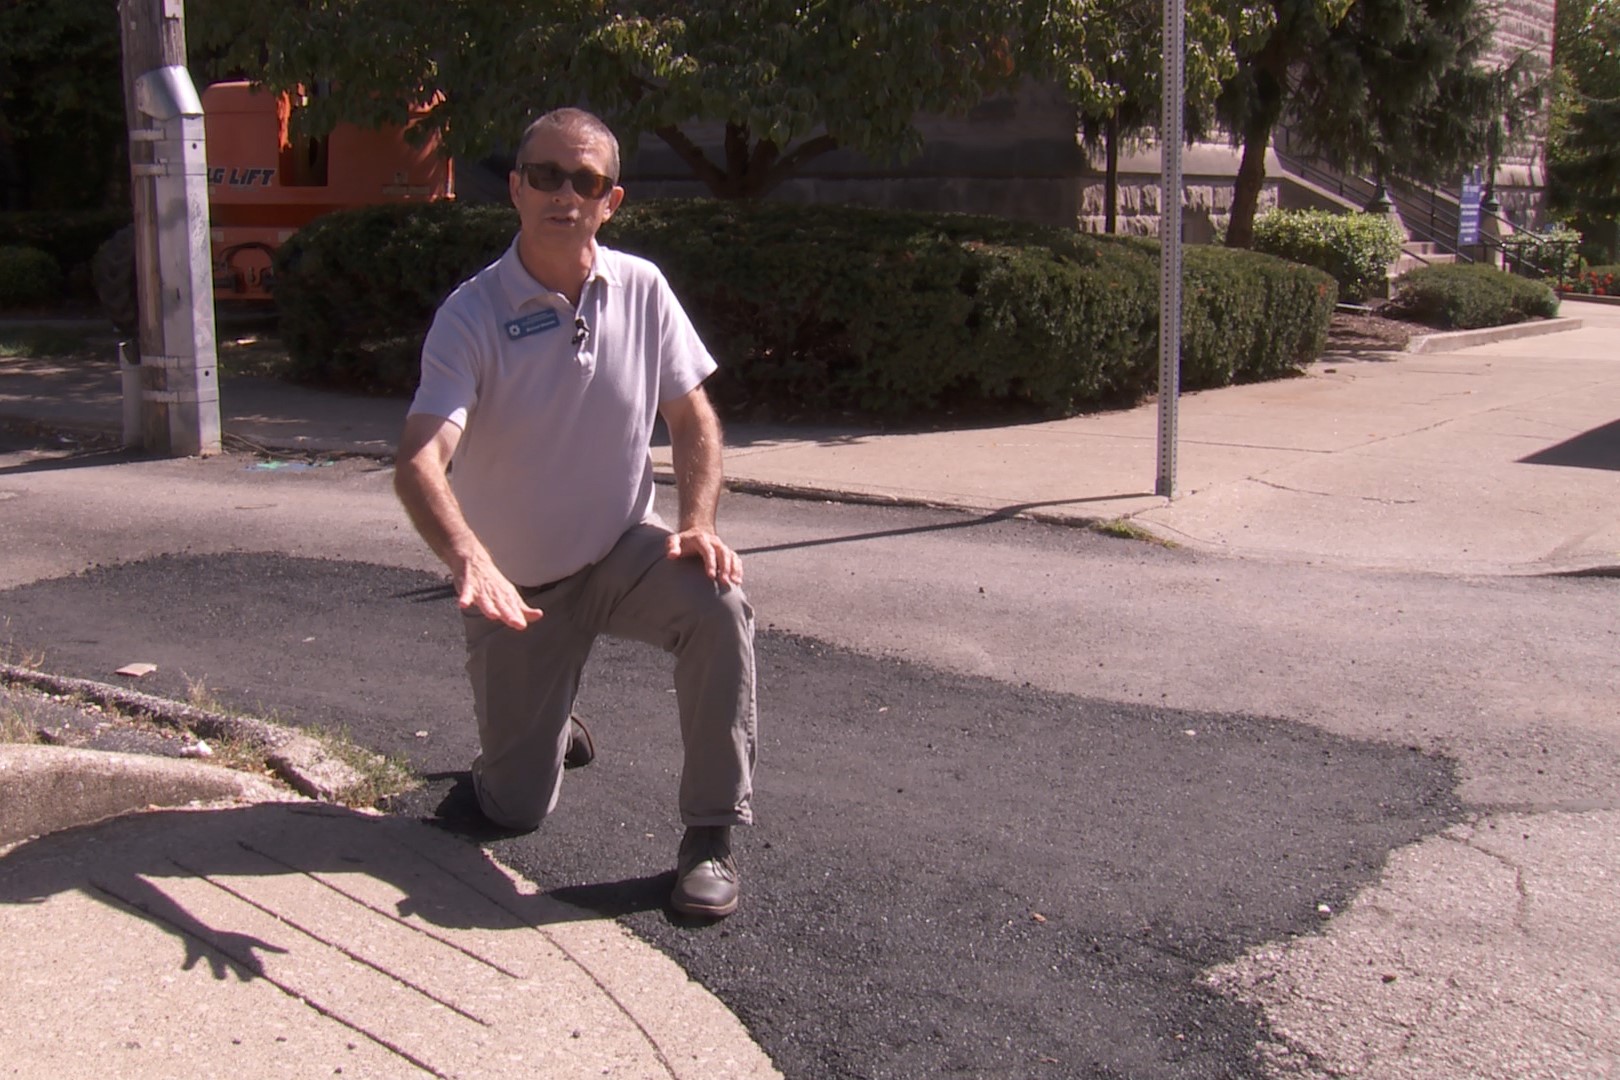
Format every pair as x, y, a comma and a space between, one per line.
575, 122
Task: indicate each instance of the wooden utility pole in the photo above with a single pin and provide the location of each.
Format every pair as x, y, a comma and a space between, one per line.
173, 268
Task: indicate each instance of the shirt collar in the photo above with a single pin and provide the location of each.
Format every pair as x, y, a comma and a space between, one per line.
521, 288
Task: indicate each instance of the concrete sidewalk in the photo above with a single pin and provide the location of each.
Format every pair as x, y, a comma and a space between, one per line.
264, 937
320, 938
1495, 458
1502, 458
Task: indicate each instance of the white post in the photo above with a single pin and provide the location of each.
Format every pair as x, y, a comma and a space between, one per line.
1170, 149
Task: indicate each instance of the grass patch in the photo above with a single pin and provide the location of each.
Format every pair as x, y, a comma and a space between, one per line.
379, 776
199, 696
13, 654
382, 776
367, 779
53, 342
1125, 529
259, 355
15, 727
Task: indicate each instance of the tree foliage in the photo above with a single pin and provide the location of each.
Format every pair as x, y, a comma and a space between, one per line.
61, 104
1583, 151
1394, 88
788, 79
1115, 72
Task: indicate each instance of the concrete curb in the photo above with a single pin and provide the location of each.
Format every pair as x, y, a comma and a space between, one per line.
299, 760
1452, 340
49, 788
1590, 298
662, 474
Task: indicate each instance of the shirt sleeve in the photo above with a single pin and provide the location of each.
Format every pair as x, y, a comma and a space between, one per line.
449, 386
684, 361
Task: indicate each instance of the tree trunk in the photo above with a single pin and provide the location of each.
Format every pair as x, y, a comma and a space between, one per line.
1251, 175
713, 178
750, 172
1111, 176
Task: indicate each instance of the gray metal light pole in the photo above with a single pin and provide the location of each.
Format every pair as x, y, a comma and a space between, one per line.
1171, 132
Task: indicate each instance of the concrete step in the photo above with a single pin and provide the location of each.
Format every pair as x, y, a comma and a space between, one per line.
1411, 260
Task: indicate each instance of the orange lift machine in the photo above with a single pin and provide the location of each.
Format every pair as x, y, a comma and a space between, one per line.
265, 183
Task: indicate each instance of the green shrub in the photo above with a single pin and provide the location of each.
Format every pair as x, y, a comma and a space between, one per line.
1248, 317
1552, 253
821, 309
71, 237
1463, 297
824, 308
28, 277
1357, 249
356, 290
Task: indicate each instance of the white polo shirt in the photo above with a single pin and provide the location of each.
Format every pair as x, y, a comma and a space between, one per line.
553, 465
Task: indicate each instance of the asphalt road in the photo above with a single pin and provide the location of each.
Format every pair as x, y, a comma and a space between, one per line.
952, 875
1020, 788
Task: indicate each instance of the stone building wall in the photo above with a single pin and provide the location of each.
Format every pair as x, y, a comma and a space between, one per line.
1208, 173
1523, 26
1013, 156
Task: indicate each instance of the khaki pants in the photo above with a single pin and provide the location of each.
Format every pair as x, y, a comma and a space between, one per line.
524, 681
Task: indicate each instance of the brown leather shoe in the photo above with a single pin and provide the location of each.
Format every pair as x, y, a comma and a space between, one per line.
706, 873
581, 749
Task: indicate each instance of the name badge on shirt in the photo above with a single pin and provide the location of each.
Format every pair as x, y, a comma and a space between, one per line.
537, 323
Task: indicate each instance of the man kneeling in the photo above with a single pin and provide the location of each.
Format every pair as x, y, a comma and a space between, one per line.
525, 464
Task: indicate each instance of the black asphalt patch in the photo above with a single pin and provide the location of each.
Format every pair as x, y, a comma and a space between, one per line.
950, 876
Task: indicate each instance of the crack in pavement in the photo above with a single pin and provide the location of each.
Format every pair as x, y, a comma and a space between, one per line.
1331, 495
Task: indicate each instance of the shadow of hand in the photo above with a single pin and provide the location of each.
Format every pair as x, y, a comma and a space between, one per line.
228, 952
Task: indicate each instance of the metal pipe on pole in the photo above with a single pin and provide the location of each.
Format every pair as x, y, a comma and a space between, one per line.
178, 362
1171, 144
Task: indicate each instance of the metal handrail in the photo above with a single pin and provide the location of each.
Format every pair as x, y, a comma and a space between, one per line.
1442, 221
1360, 189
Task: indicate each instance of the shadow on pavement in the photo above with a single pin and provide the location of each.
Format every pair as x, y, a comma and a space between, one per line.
1005, 513
1595, 449
374, 869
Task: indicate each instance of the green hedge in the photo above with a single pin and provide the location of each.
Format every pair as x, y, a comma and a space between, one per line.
356, 289
1249, 317
1464, 297
1357, 249
70, 237
818, 309
29, 277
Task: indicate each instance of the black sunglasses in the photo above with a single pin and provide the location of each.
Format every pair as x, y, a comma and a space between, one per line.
548, 176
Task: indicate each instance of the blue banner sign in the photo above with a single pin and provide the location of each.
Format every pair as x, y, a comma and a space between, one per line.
1468, 210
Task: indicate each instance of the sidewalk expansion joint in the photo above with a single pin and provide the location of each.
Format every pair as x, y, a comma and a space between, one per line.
584, 968
446, 942
330, 944
250, 968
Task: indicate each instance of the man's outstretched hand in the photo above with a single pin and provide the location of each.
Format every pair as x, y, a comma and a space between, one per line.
721, 563
481, 587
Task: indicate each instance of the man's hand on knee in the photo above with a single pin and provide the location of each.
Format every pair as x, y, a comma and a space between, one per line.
721, 563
